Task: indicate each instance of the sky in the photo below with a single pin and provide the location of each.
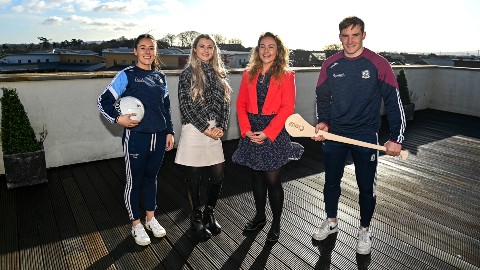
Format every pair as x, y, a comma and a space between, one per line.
424, 26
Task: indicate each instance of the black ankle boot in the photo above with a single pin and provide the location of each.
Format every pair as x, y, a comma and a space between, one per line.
210, 221
213, 191
255, 223
197, 225
196, 215
273, 234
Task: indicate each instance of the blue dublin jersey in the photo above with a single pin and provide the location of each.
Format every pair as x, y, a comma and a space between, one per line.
150, 87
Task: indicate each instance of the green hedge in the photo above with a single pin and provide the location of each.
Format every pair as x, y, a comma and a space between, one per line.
403, 87
17, 134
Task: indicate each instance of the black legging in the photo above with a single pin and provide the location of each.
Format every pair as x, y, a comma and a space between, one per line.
215, 173
263, 181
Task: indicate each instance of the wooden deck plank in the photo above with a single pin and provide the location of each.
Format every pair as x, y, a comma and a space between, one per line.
9, 251
52, 250
113, 218
29, 243
427, 214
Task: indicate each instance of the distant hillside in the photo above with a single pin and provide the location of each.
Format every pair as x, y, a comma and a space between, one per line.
466, 53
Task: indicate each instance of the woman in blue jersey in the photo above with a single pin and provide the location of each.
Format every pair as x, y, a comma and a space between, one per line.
145, 141
204, 97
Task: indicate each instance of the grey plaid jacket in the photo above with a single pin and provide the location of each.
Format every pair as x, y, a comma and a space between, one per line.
213, 106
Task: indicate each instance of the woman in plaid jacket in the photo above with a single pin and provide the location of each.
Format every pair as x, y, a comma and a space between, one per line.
204, 97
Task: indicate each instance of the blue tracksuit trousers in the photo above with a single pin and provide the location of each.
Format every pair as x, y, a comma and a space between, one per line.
365, 161
143, 154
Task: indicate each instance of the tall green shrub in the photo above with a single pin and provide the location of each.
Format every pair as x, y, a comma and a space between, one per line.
17, 134
403, 87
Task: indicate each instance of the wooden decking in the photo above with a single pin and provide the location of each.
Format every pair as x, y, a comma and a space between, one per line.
427, 214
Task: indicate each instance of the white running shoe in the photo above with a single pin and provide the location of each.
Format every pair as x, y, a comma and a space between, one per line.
326, 228
364, 244
140, 235
155, 227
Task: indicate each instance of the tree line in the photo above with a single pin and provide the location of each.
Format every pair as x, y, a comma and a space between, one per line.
183, 40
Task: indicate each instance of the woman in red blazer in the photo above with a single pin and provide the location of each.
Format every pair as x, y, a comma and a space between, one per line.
265, 99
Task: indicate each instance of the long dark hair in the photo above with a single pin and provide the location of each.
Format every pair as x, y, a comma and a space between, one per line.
156, 62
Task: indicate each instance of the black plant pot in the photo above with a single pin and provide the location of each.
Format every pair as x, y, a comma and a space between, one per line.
409, 110
25, 169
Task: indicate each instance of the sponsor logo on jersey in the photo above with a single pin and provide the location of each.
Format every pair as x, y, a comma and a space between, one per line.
338, 75
366, 74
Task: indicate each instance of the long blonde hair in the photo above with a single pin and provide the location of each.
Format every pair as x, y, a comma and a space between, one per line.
197, 86
280, 64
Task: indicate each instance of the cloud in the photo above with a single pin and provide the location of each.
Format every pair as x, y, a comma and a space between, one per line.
41, 6
53, 21
4, 3
61, 2
100, 24
120, 29
35, 6
81, 19
68, 9
113, 6
129, 7
87, 5
17, 9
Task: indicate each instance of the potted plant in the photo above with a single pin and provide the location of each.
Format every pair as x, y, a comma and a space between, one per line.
405, 95
23, 155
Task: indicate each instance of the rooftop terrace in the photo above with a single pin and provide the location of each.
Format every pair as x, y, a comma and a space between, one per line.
427, 216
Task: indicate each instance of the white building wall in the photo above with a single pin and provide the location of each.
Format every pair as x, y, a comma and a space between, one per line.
77, 132
237, 60
24, 58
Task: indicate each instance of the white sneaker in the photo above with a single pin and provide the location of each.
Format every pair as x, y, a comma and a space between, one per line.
326, 228
364, 244
155, 227
140, 235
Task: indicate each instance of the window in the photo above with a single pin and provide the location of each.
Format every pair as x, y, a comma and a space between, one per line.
88, 61
38, 60
29, 61
48, 60
19, 61
133, 62
81, 61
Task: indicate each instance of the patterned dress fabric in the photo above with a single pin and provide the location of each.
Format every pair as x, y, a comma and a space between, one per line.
268, 156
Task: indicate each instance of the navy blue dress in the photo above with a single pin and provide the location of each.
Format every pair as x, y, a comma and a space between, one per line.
268, 156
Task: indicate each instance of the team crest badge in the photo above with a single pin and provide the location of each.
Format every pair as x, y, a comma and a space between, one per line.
366, 74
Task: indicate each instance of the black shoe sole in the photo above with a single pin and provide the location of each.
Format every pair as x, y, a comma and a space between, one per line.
271, 237
260, 224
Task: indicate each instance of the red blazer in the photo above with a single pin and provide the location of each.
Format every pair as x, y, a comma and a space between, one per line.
280, 100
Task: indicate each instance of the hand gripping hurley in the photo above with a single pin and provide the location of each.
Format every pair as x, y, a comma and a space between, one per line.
296, 126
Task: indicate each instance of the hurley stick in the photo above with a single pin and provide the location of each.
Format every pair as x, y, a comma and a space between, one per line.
297, 127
